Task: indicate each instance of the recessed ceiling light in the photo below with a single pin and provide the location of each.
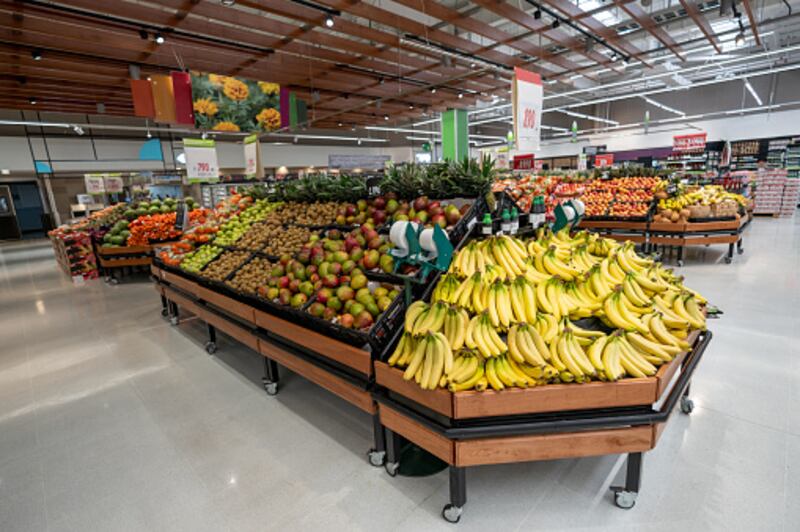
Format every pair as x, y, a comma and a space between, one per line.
37, 55
32, 101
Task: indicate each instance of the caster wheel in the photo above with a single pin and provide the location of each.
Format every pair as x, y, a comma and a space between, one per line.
211, 348
114, 281
271, 388
740, 251
174, 320
164, 312
625, 499
376, 458
680, 262
728, 260
452, 514
687, 405
392, 468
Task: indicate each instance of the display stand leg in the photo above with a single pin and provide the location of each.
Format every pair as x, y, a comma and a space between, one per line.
680, 255
271, 377
173, 313
625, 497
164, 306
740, 246
377, 455
211, 345
458, 495
392, 463
729, 256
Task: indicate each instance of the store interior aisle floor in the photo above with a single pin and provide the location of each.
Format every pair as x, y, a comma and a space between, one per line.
111, 419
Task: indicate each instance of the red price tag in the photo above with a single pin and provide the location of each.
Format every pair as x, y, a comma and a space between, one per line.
529, 118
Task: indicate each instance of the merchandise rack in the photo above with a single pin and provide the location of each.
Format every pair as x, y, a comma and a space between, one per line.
114, 260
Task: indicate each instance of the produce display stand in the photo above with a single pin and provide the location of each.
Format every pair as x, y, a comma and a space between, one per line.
115, 261
466, 429
622, 230
700, 233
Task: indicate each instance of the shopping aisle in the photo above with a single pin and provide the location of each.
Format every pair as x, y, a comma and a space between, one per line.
111, 419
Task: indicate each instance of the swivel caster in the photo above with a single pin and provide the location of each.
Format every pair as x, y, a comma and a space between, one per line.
174, 320
211, 348
687, 405
164, 312
376, 458
114, 281
392, 468
625, 499
271, 388
728, 260
680, 262
740, 251
452, 514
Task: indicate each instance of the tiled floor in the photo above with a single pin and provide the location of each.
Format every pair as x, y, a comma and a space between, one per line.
111, 419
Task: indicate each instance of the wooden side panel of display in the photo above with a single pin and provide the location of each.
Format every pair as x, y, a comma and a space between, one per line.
667, 227
345, 354
712, 239
356, 396
555, 398
123, 250
658, 430
439, 400
241, 310
119, 263
431, 441
184, 284
609, 224
156, 271
699, 227
553, 446
638, 239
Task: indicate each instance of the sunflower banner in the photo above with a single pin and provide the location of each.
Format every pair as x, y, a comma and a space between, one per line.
226, 103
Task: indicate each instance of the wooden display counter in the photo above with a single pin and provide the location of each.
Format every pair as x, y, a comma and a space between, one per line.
113, 258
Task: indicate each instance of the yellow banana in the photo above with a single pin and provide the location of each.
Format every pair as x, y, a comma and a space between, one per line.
400, 349
491, 376
595, 352
468, 384
412, 313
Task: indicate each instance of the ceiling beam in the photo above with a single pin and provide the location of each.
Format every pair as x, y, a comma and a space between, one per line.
646, 21
701, 22
753, 23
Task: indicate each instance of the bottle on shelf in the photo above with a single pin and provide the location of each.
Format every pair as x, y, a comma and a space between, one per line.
505, 224
514, 221
486, 225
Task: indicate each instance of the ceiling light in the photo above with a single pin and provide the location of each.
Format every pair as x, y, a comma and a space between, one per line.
460, 95
227, 3
556, 23
588, 117
340, 124
159, 38
537, 14
662, 106
472, 65
37, 55
410, 106
32, 101
752, 91
144, 35
433, 90
739, 39
329, 22
386, 117
78, 130
149, 135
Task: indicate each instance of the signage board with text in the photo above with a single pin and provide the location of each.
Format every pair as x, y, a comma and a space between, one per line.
201, 160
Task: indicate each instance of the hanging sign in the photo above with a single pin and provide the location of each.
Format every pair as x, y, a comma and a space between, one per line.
113, 183
252, 158
604, 160
95, 184
526, 96
523, 162
693, 142
201, 160
582, 162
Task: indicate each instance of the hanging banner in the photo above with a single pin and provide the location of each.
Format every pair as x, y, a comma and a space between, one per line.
227, 103
95, 184
604, 160
201, 160
693, 142
526, 103
523, 162
253, 166
113, 183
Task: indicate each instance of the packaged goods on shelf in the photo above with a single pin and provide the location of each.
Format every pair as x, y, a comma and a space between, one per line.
769, 191
699, 202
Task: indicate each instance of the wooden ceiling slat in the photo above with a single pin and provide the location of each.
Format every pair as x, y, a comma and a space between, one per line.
646, 21
701, 22
753, 22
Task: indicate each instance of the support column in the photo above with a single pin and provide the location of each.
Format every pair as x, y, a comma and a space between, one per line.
455, 134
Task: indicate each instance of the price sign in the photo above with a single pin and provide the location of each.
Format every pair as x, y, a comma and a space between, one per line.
201, 160
604, 160
95, 184
374, 186
113, 183
527, 96
693, 142
252, 158
523, 162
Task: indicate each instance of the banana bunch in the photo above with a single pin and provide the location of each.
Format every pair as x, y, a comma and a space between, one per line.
446, 288
470, 260
426, 358
481, 335
422, 318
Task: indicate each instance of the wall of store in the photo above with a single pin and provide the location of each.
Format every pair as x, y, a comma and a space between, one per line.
777, 124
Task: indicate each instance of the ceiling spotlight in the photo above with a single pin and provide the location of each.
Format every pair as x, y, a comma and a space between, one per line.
78, 130
433, 90
739, 39
460, 95
149, 135
472, 65
329, 22
537, 14
37, 55
32, 101
386, 117
381, 81
339, 124
556, 23
411, 107
227, 3
159, 38
144, 35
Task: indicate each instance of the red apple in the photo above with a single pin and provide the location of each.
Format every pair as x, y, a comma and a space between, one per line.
421, 203
346, 321
330, 280
324, 294
283, 282
379, 202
